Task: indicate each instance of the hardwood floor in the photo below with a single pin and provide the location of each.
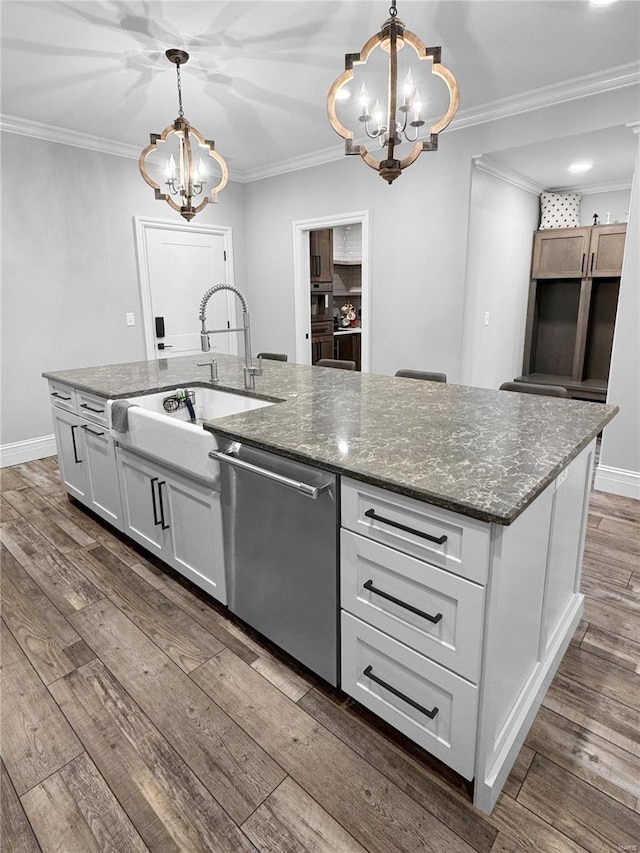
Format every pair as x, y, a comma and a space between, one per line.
138, 715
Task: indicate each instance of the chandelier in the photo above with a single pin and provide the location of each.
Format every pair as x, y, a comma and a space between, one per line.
401, 119
184, 178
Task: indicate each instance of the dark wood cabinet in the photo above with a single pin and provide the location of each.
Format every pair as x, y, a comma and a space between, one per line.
347, 347
321, 341
573, 299
321, 251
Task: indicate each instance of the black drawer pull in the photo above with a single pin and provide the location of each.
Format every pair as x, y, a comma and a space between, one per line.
92, 431
91, 409
439, 540
60, 396
435, 619
429, 713
162, 518
75, 447
153, 500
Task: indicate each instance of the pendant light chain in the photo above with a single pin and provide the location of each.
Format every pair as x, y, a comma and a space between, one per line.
180, 110
392, 9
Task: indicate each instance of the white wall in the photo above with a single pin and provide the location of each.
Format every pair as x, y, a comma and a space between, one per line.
616, 203
502, 219
619, 468
69, 269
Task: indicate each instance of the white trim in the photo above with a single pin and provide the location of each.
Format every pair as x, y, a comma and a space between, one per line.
26, 451
142, 224
507, 175
589, 189
596, 83
617, 481
607, 80
302, 275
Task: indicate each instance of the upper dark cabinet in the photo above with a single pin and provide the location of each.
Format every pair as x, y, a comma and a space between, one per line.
560, 253
606, 250
321, 250
578, 252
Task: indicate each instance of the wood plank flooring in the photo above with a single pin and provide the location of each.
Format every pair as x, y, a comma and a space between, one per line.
138, 715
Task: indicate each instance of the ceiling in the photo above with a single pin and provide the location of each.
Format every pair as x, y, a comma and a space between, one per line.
259, 70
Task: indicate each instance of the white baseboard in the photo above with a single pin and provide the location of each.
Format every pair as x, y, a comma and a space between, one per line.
27, 451
618, 481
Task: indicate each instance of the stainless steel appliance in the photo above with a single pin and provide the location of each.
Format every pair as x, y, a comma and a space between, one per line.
280, 538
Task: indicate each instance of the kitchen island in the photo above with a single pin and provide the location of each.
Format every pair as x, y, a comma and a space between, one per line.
462, 521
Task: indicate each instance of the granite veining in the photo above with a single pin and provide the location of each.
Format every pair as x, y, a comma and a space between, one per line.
483, 453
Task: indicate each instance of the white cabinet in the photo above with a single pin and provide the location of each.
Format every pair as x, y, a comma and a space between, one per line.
440, 611
66, 425
86, 456
174, 517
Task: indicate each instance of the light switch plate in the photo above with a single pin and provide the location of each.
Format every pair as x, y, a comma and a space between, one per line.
131, 320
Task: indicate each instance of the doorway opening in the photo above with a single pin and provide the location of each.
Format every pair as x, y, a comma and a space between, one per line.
350, 286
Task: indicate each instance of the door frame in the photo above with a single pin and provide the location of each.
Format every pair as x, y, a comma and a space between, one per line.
142, 226
302, 275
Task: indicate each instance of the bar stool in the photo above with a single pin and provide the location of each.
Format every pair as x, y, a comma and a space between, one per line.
532, 388
336, 362
422, 374
274, 356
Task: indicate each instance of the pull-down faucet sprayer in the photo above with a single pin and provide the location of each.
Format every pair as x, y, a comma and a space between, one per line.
250, 372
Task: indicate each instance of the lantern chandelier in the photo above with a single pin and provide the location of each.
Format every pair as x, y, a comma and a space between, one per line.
401, 119
191, 178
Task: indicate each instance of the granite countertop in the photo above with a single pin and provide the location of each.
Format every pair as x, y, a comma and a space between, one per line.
483, 453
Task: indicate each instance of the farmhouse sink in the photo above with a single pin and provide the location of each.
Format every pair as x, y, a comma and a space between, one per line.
171, 437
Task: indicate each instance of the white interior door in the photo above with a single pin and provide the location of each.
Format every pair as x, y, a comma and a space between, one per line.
177, 264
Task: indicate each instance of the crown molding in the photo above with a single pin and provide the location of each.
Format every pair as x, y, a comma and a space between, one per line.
590, 189
598, 82
507, 175
52, 133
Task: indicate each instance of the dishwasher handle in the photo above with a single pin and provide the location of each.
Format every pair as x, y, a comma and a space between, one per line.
304, 488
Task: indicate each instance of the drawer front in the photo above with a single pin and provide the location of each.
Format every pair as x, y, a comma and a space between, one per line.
320, 329
446, 539
434, 612
92, 408
429, 704
62, 396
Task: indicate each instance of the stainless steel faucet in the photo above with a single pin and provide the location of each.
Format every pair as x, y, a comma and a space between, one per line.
213, 366
250, 372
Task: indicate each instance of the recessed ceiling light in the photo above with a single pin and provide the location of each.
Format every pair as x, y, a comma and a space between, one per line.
343, 95
602, 2
580, 167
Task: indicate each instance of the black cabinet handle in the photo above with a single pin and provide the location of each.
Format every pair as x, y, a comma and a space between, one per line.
584, 255
91, 409
439, 540
73, 441
60, 396
593, 254
153, 500
429, 713
435, 619
92, 431
162, 518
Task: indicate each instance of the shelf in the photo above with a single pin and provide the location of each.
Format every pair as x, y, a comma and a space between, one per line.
338, 263
356, 291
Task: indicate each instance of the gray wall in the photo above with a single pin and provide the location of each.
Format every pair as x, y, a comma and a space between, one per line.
616, 203
502, 219
69, 267
621, 441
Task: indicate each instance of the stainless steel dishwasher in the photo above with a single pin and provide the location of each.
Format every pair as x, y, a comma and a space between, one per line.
280, 538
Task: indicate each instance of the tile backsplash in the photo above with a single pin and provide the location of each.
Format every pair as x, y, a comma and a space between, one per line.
347, 242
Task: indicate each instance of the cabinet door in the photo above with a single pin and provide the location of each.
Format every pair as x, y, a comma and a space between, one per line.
103, 490
560, 253
193, 519
321, 247
70, 452
607, 250
140, 501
